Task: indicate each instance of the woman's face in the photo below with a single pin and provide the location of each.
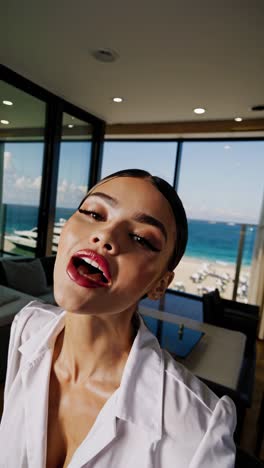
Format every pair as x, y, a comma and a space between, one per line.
127, 230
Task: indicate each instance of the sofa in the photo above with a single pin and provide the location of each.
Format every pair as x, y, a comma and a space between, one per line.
22, 280
27, 275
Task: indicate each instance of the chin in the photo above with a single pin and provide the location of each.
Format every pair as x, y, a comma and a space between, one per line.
75, 299
68, 299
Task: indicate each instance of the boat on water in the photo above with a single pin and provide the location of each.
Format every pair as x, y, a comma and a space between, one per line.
27, 240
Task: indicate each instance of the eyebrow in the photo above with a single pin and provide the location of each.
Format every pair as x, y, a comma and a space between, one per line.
110, 200
147, 219
139, 217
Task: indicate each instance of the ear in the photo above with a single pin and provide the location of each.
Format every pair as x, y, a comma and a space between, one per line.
159, 288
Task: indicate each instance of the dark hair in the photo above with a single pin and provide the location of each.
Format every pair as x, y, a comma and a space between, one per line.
175, 203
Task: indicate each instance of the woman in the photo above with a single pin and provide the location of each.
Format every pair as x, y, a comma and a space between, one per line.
88, 385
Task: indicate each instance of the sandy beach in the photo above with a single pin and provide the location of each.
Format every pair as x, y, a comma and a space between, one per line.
208, 274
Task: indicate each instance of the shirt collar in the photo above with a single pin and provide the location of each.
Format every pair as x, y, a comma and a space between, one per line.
140, 395
44, 337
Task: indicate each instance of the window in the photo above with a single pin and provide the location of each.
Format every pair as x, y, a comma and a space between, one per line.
221, 186
74, 167
21, 148
155, 157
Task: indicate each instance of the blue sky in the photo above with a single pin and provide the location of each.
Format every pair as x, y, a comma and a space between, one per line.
23, 167
218, 180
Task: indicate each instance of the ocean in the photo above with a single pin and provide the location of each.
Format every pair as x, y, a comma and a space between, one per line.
216, 241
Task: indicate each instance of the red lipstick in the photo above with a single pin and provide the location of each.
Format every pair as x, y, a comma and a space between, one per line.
89, 269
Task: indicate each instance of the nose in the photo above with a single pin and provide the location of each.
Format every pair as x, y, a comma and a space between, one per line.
107, 240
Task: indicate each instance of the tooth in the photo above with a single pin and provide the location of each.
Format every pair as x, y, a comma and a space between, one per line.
93, 263
87, 260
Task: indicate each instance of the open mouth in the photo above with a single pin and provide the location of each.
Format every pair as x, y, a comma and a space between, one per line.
88, 269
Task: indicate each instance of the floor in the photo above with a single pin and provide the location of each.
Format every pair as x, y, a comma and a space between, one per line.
249, 431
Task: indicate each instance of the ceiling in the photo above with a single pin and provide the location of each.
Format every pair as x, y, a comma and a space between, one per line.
27, 116
173, 56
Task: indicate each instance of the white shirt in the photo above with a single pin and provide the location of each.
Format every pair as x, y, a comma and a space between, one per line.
161, 416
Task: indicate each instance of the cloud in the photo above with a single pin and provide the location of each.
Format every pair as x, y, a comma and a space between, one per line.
83, 189
70, 194
27, 183
37, 182
63, 186
22, 183
8, 164
21, 188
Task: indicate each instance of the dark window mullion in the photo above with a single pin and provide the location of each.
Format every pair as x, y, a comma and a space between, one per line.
49, 183
96, 154
177, 165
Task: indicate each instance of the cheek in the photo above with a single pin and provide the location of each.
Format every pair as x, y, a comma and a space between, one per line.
68, 237
138, 275
67, 241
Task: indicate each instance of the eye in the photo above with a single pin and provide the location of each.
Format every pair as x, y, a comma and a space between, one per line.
92, 214
143, 242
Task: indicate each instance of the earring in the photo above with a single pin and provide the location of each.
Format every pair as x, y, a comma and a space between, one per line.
153, 296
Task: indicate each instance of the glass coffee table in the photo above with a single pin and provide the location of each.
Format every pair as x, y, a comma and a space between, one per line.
178, 339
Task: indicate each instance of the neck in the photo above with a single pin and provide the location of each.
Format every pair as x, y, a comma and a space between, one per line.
94, 348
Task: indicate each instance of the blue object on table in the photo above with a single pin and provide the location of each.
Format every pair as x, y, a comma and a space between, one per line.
151, 323
175, 338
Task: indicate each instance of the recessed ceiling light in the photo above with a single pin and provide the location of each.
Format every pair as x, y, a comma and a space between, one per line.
199, 110
7, 103
227, 147
238, 119
70, 126
118, 99
5, 122
105, 55
260, 107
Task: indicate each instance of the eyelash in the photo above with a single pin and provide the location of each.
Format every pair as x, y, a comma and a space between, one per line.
93, 214
144, 242
140, 240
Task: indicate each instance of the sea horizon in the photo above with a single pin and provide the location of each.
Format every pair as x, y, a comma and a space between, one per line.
209, 221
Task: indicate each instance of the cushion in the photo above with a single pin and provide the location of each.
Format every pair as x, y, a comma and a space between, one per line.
48, 296
6, 297
27, 277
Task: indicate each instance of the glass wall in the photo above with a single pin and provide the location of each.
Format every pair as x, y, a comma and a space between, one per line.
220, 183
156, 157
74, 168
49, 150
22, 148
221, 186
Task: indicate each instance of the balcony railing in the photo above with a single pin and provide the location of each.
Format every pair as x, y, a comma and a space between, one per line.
197, 275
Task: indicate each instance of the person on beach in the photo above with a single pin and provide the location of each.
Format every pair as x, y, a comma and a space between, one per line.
87, 383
